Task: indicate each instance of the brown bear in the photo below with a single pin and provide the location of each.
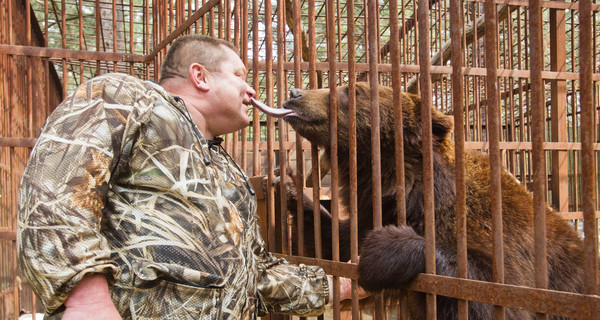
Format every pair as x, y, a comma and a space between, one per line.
392, 256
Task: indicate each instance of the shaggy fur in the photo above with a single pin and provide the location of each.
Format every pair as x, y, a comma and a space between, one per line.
392, 256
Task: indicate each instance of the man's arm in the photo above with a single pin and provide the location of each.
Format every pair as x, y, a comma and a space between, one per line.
64, 187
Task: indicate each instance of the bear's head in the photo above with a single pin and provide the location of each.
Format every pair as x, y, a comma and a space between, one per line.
309, 116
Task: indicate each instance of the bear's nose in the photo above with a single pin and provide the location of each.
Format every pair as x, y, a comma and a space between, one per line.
295, 93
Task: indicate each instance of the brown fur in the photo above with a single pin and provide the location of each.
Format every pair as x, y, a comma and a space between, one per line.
392, 256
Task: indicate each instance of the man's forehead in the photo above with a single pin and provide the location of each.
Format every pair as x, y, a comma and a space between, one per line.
234, 61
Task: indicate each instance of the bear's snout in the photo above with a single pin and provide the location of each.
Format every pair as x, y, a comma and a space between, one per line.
295, 93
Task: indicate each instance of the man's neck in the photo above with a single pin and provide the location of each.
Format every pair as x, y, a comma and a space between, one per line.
192, 103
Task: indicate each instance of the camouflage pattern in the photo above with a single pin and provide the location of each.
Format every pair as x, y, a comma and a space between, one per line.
121, 182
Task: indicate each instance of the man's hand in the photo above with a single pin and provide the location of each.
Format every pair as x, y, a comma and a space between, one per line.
345, 289
90, 300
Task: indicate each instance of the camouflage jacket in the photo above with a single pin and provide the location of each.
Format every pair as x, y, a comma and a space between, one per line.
122, 182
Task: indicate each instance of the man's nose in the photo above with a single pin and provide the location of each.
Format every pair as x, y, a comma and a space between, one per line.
251, 92
295, 93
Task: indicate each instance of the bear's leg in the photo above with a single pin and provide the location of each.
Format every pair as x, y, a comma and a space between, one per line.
309, 219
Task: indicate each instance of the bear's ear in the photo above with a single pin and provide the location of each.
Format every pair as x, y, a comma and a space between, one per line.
442, 124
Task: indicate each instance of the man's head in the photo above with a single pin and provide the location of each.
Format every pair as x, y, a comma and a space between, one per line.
208, 74
193, 48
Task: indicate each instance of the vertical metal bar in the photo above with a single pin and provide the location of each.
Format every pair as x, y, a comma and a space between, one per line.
29, 71
227, 20
244, 49
427, 138
114, 30
297, 32
353, 162
270, 125
255, 83
558, 58
511, 96
589, 176
46, 60
236, 43
456, 35
333, 127
211, 22
98, 31
80, 9
220, 19
65, 72
131, 34
316, 173
538, 109
282, 124
398, 132
373, 54
493, 114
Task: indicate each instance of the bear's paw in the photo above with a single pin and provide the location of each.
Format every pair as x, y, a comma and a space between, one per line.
390, 258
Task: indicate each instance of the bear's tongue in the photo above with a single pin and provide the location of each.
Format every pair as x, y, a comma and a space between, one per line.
273, 112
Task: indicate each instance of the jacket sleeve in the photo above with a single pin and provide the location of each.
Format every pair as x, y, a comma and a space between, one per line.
64, 187
290, 289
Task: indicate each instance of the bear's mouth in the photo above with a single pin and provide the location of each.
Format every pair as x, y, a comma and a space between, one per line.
277, 112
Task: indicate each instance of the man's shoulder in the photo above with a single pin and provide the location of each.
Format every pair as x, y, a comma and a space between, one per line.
123, 78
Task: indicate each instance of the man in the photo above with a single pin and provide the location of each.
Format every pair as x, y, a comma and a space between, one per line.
130, 208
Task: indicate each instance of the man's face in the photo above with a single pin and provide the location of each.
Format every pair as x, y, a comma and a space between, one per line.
230, 95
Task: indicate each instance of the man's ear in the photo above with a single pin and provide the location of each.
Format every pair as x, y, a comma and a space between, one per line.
199, 76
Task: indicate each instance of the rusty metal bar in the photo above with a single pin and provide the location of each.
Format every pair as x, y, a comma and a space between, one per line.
65, 72
244, 49
282, 124
353, 161
588, 156
493, 127
398, 133
539, 165
333, 131
8, 235
456, 34
114, 30
427, 147
255, 83
316, 172
470, 71
546, 4
70, 54
236, 42
373, 54
130, 35
182, 28
297, 33
270, 127
567, 304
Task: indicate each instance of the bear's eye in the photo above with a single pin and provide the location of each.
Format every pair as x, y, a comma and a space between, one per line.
346, 92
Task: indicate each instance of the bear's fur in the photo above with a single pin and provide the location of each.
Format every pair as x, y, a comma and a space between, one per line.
392, 256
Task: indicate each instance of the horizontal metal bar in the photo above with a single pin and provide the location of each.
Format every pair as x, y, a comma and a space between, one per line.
288, 66
566, 304
571, 215
405, 68
70, 54
342, 269
8, 235
544, 4
17, 142
289, 145
525, 145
